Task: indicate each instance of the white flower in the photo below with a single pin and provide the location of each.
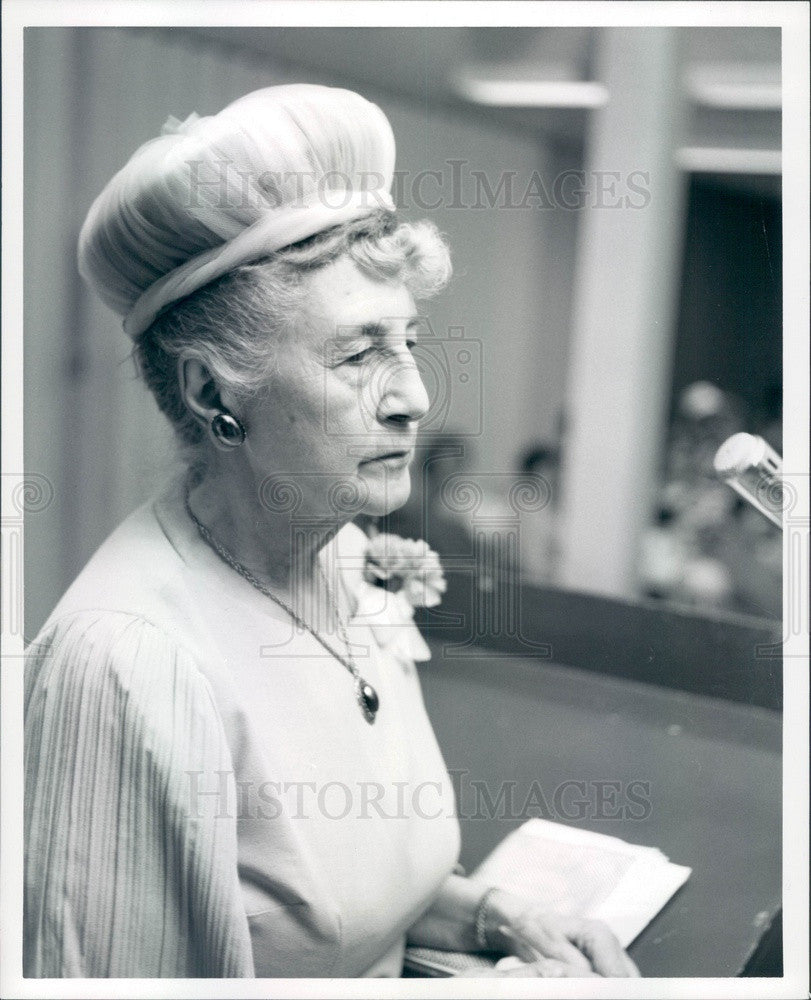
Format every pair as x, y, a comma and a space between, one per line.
402, 564
399, 575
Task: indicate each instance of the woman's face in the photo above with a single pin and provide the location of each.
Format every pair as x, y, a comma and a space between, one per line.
338, 420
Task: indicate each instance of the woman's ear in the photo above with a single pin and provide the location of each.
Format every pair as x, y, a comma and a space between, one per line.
207, 404
199, 391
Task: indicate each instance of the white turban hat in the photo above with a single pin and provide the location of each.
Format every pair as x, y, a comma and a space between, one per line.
271, 169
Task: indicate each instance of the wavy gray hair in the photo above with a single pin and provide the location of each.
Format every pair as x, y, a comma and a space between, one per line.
235, 325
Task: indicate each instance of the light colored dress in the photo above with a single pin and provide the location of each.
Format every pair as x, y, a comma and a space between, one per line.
203, 795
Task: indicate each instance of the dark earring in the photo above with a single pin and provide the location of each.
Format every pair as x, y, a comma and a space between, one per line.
227, 430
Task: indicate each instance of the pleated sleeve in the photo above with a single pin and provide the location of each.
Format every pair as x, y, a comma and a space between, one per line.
131, 854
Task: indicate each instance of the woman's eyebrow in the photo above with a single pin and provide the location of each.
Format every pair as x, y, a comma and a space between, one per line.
379, 328
375, 329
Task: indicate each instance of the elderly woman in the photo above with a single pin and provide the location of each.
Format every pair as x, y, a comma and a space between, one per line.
229, 767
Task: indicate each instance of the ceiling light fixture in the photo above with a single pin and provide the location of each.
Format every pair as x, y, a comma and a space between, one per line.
735, 87
533, 93
709, 160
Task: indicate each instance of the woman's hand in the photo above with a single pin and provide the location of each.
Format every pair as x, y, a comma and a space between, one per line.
545, 944
542, 968
551, 943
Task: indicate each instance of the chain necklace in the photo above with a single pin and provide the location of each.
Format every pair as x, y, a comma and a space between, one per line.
365, 694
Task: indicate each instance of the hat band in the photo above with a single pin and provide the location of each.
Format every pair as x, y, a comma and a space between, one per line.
277, 229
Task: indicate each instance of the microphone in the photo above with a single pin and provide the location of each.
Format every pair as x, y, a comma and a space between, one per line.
751, 467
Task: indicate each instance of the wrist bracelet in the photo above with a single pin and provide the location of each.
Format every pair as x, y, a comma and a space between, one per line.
480, 921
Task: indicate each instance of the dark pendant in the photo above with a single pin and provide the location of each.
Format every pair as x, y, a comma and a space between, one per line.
371, 702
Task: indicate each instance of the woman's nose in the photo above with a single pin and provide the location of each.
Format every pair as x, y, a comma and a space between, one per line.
403, 396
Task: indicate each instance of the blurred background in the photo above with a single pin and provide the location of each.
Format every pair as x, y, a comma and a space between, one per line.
612, 198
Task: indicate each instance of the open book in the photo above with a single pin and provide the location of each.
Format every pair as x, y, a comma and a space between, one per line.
572, 871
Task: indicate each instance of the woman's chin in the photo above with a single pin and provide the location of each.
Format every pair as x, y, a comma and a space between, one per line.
387, 494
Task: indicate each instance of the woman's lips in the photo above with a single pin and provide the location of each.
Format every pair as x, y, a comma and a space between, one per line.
391, 459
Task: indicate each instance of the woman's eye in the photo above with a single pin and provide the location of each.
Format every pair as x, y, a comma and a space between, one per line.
359, 358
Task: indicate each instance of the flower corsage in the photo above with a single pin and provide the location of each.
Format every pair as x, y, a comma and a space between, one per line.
399, 575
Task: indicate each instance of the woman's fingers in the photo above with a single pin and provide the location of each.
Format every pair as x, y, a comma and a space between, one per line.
561, 949
578, 946
509, 962
534, 940
542, 968
553, 968
519, 946
606, 954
